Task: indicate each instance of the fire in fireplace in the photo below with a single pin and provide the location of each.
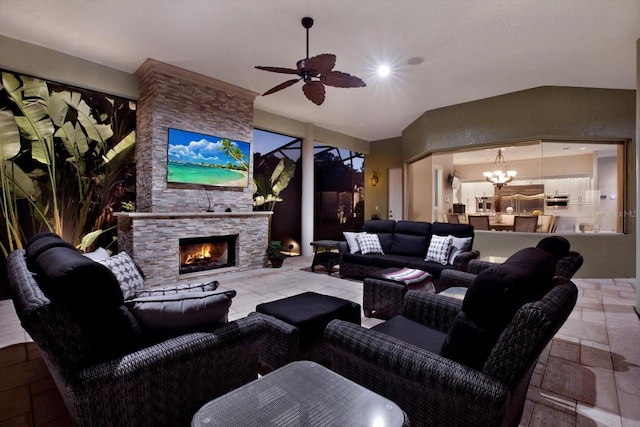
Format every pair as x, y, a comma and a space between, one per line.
206, 253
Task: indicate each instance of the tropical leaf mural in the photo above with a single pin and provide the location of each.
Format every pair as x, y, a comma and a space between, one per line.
66, 161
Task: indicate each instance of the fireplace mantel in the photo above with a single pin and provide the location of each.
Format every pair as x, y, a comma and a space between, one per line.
169, 215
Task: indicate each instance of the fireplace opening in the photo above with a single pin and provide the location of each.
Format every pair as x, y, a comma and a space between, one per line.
207, 253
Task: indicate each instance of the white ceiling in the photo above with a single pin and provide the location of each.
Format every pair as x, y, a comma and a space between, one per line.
472, 49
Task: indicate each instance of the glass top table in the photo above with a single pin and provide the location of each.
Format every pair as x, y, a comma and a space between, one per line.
301, 393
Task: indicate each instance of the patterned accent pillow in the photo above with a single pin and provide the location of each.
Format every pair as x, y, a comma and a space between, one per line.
369, 243
439, 249
126, 271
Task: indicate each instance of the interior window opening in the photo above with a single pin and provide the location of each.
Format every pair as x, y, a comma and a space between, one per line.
572, 186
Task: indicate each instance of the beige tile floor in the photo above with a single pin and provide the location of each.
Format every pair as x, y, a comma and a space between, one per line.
588, 376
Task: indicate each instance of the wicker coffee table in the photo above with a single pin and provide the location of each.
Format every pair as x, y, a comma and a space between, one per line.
382, 296
300, 394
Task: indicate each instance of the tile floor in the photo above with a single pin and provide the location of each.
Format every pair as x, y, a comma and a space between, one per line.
588, 376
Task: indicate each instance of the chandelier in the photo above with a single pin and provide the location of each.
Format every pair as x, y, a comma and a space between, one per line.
500, 175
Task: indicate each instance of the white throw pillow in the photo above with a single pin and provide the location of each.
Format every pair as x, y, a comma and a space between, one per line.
369, 243
439, 249
98, 254
126, 271
458, 245
350, 237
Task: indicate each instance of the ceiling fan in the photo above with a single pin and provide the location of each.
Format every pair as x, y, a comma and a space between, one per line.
316, 73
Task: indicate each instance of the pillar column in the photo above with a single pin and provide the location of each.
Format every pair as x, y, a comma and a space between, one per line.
308, 192
637, 174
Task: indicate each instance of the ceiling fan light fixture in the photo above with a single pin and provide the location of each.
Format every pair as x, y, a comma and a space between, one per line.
384, 70
316, 72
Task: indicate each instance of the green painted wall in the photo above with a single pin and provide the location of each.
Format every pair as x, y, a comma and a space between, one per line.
37, 61
383, 155
546, 111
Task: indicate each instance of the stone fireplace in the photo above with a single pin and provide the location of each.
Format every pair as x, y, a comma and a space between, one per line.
168, 213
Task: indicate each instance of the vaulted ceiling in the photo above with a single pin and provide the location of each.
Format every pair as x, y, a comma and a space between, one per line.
467, 49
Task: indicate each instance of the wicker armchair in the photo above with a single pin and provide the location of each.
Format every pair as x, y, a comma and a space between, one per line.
162, 384
436, 391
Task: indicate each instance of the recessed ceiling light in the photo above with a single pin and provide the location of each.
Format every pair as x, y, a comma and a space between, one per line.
384, 70
415, 60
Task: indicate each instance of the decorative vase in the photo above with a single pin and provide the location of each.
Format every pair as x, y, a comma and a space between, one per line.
498, 217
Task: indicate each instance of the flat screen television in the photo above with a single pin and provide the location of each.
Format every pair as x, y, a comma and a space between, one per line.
195, 158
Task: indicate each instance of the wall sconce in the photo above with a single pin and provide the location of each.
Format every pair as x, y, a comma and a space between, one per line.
374, 179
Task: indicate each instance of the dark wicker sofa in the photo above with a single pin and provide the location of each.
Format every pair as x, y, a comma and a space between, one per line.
405, 244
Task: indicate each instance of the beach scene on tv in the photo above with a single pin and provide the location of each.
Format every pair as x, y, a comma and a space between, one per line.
194, 158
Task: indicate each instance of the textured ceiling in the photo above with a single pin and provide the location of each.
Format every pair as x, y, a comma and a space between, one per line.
472, 49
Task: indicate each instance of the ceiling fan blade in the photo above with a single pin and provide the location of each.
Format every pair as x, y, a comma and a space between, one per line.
314, 91
281, 86
340, 79
322, 64
278, 69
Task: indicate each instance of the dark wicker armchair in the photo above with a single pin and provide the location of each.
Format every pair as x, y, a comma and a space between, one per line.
161, 384
436, 391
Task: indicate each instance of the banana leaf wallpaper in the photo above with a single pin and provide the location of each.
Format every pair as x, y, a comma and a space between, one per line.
66, 162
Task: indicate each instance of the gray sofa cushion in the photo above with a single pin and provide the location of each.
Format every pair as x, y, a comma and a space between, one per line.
179, 289
164, 316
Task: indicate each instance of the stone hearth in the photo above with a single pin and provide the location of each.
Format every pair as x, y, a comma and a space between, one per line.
153, 241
